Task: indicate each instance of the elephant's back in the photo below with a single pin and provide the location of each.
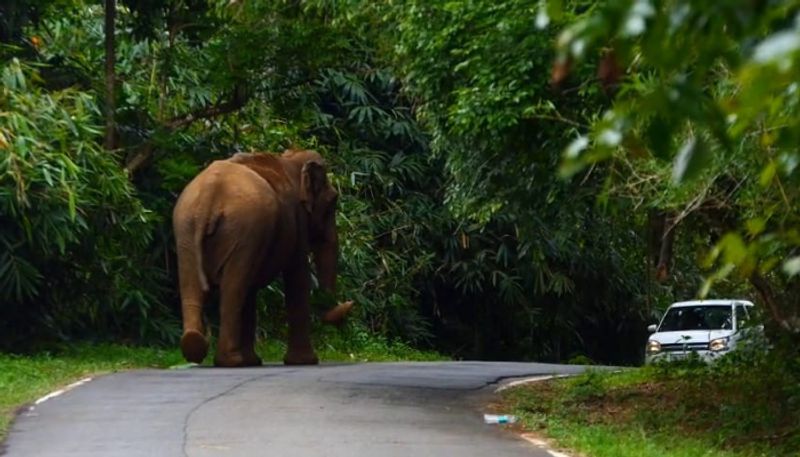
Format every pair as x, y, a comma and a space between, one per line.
230, 184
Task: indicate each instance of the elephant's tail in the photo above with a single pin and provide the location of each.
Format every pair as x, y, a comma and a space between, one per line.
206, 226
198, 255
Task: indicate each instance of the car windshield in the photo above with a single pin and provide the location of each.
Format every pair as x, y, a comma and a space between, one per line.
706, 317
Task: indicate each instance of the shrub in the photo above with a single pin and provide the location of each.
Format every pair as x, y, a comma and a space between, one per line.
71, 226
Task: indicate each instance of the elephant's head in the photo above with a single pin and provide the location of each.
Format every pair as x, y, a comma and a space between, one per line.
305, 172
318, 197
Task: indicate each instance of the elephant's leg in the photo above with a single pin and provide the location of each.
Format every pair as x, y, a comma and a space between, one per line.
233, 294
298, 311
249, 330
194, 344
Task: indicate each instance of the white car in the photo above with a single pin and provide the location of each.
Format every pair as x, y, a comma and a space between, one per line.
708, 328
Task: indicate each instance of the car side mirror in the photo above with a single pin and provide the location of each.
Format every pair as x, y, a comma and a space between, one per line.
652, 328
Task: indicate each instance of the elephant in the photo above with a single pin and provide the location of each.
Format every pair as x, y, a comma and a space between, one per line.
239, 224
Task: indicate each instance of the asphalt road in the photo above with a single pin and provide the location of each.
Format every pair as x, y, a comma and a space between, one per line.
376, 409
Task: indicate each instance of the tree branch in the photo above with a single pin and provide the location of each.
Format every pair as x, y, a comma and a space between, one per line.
145, 150
665, 253
558, 118
764, 289
140, 157
110, 57
237, 102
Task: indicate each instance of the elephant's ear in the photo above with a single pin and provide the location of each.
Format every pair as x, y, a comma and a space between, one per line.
312, 181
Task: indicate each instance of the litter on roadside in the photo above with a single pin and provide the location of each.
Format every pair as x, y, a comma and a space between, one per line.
499, 418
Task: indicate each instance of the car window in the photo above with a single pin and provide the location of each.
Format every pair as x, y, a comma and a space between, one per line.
702, 317
742, 317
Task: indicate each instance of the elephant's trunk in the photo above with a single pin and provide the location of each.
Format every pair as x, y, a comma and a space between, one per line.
326, 256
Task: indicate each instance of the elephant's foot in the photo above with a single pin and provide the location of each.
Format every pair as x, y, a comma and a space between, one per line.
230, 360
237, 359
252, 360
194, 346
307, 357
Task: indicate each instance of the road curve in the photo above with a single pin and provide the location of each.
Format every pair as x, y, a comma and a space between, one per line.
384, 409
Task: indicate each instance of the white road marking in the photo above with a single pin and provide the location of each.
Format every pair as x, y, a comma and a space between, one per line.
541, 444
59, 392
520, 382
535, 441
557, 454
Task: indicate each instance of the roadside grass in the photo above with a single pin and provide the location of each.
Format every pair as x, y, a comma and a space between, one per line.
354, 344
24, 378
733, 409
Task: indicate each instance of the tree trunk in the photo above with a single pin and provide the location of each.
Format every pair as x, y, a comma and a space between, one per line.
660, 240
111, 12
765, 290
665, 253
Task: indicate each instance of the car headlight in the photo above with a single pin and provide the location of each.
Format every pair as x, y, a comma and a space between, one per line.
653, 347
719, 344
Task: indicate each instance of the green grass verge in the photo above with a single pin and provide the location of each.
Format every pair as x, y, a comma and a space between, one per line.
338, 351
738, 410
598, 441
26, 378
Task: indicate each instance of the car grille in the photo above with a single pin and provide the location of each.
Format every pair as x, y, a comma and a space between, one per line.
681, 347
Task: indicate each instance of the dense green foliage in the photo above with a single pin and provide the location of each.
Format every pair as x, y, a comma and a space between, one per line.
705, 125
66, 206
535, 258
445, 134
